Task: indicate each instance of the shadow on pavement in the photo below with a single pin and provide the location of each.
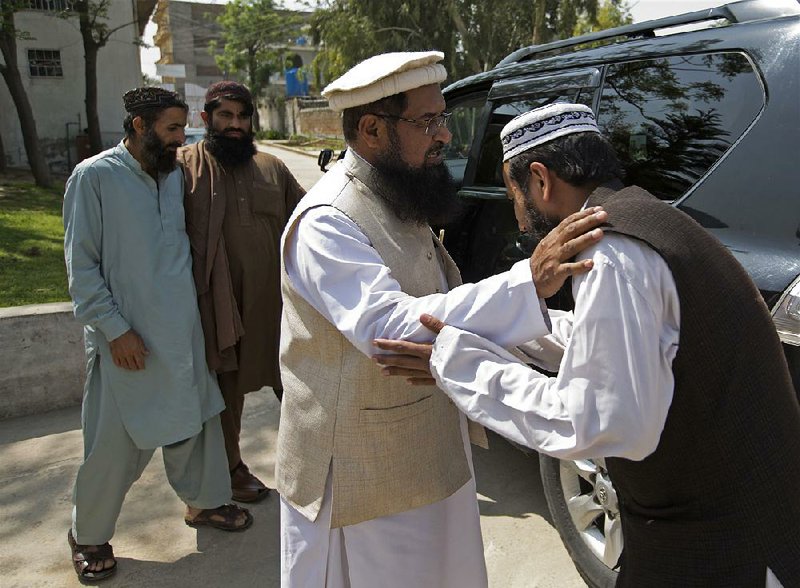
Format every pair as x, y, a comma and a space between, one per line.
40, 425
40, 455
508, 481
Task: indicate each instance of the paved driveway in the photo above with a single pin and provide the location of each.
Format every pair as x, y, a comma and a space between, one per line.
39, 456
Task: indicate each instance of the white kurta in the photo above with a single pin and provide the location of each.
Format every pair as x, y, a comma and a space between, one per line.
336, 270
614, 385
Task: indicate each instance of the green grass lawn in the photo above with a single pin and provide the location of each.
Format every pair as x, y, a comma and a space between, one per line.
31, 244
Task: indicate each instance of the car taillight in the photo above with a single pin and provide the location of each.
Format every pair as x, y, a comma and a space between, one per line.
786, 314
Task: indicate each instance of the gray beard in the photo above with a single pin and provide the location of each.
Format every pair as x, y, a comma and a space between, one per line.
539, 224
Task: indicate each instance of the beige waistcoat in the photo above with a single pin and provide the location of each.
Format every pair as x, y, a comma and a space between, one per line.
390, 446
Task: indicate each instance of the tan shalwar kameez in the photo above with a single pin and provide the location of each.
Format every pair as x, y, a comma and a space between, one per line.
235, 217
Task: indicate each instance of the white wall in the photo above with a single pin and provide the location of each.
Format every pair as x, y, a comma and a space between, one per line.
57, 101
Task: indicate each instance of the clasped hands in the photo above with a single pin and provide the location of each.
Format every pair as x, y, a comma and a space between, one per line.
550, 268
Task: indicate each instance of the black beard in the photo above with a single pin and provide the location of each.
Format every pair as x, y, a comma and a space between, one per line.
539, 224
156, 155
230, 151
424, 195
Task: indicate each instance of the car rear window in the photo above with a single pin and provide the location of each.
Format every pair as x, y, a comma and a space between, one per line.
670, 119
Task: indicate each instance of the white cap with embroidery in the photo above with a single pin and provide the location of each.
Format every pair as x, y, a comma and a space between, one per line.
544, 124
385, 75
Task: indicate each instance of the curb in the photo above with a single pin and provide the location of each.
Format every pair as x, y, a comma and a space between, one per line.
289, 148
42, 351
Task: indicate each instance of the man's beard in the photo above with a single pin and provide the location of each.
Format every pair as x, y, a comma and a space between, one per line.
538, 223
423, 195
157, 155
230, 151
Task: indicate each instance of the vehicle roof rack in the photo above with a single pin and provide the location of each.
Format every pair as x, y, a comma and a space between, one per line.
736, 12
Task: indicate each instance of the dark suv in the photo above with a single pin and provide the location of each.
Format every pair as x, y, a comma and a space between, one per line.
707, 119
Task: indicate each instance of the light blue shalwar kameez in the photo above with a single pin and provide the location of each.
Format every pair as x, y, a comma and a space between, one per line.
129, 267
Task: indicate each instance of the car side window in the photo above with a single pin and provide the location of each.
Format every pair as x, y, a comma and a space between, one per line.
463, 126
489, 171
671, 119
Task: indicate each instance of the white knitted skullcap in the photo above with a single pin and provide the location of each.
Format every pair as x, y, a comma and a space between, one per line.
544, 124
384, 75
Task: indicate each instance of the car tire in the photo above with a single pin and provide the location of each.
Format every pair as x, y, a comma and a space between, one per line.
575, 491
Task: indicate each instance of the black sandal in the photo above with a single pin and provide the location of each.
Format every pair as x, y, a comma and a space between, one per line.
82, 559
229, 513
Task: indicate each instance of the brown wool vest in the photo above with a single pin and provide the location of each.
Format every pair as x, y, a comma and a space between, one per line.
717, 502
390, 446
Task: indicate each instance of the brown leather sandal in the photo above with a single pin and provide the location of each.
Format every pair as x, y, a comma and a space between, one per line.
223, 517
245, 487
82, 559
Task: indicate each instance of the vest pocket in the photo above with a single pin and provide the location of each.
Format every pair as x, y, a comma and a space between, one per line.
392, 414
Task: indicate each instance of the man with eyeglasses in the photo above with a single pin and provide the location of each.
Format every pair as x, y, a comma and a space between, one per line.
375, 474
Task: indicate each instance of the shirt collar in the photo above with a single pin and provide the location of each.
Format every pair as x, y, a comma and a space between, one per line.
122, 152
612, 185
130, 161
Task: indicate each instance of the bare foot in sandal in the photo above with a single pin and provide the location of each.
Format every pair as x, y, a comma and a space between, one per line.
92, 562
228, 517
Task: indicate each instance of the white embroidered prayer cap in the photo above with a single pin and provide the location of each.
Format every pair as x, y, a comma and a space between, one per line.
543, 124
384, 75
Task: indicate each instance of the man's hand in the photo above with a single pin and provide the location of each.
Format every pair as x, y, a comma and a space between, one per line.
575, 233
411, 360
128, 351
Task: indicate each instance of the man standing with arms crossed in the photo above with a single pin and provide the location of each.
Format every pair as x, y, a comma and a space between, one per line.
375, 475
147, 383
237, 201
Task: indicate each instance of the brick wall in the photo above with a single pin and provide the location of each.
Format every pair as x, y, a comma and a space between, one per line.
318, 122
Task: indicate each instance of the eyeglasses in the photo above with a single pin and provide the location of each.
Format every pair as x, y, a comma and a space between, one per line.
432, 124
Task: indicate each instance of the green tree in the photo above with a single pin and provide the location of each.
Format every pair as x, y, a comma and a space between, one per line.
610, 14
95, 33
149, 80
254, 32
352, 30
473, 34
11, 74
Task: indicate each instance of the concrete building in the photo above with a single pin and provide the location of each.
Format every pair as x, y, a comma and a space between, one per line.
184, 35
51, 62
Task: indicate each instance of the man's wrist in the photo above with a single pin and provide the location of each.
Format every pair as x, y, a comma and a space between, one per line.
113, 327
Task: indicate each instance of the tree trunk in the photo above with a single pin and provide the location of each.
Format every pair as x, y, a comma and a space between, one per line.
13, 79
461, 27
3, 165
90, 50
539, 28
252, 72
92, 118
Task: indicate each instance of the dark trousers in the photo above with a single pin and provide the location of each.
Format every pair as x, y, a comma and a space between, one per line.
231, 417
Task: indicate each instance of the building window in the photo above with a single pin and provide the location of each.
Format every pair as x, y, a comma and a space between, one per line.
45, 63
51, 5
208, 70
